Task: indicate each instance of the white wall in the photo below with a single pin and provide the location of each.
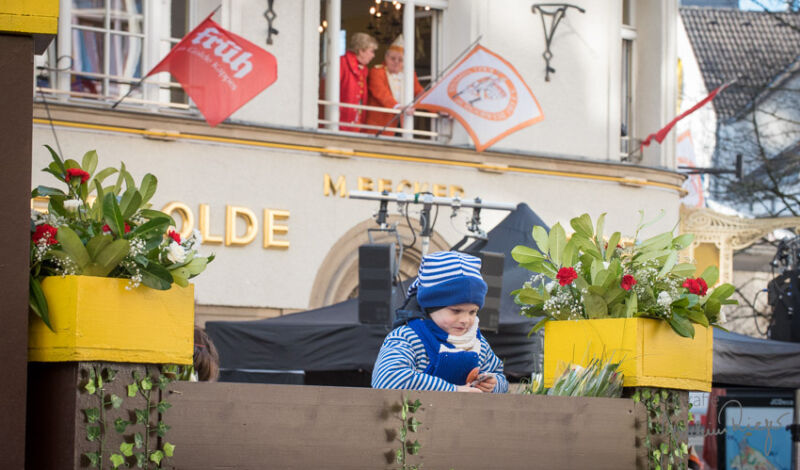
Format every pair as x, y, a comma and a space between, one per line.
257, 178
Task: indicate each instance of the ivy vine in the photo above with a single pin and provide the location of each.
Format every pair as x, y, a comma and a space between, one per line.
665, 428
410, 424
141, 436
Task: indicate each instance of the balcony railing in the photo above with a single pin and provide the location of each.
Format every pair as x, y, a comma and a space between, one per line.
440, 126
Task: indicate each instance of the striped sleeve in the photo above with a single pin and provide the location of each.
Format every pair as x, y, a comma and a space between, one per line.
400, 363
492, 363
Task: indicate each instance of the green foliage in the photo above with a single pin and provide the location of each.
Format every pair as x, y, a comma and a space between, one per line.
640, 279
664, 421
105, 231
140, 434
410, 424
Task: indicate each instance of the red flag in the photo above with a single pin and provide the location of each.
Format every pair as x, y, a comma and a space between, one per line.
662, 133
219, 70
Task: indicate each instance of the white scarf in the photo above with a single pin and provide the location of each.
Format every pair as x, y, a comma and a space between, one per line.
467, 342
395, 85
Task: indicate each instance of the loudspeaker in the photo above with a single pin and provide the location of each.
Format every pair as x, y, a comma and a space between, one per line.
492, 272
376, 267
784, 298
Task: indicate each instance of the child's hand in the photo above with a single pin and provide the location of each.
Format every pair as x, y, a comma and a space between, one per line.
467, 388
487, 385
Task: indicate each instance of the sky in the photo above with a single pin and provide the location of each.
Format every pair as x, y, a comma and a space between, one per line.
758, 5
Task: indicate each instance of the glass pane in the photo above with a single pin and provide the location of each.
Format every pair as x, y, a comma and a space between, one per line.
87, 51
125, 56
179, 18
89, 13
126, 15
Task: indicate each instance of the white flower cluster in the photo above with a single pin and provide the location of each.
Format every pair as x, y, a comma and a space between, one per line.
136, 273
42, 247
65, 266
664, 300
137, 247
176, 253
72, 205
563, 302
194, 240
49, 218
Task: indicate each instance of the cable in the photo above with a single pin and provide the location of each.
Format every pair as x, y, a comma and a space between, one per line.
52, 127
410, 227
755, 313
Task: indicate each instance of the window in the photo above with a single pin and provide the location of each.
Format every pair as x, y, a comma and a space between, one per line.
628, 35
383, 20
105, 47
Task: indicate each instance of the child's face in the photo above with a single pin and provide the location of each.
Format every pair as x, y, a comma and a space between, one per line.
456, 319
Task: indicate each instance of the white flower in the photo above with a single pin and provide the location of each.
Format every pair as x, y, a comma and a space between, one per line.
72, 205
550, 286
176, 253
664, 299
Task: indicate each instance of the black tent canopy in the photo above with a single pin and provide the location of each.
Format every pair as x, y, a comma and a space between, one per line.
332, 339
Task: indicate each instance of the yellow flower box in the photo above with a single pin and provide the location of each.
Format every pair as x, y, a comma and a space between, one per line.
652, 354
98, 319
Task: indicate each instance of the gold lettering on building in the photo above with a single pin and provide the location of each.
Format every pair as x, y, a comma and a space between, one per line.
384, 184
440, 190
364, 183
420, 188
251, 228
184, 214
339, 188
402, 185
271, 228
456, 191
204, 221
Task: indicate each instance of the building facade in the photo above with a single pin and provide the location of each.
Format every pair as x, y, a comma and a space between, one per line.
268, 187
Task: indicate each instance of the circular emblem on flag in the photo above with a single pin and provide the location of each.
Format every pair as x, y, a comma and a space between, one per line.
485, 92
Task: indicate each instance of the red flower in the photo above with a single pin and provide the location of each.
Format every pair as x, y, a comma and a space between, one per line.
696, 286
175, 236
76, 173
628, 282
107, 229
566, 276
47, 232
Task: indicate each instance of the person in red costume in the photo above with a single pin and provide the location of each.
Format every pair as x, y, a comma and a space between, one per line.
353, 74
386, 88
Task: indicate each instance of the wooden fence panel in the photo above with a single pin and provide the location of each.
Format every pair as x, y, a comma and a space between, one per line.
249, 426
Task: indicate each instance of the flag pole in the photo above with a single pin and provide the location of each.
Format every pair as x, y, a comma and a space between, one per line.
139, 83
430, 85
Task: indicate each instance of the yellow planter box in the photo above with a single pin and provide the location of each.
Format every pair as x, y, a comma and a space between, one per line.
652, 354
97, 319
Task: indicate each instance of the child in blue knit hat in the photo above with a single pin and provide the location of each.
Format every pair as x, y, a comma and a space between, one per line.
438, 352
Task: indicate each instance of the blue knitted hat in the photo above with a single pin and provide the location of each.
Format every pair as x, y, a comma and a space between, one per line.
449, 278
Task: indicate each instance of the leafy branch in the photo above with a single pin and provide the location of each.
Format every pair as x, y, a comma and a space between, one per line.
410, 424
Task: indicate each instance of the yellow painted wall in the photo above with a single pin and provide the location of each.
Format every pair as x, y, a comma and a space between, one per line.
705, 255
29, 16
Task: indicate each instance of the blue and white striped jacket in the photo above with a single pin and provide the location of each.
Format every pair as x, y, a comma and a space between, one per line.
402, 360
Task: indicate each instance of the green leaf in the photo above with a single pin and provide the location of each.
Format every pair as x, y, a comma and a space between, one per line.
657, 243
38, 302
57, 159
413, 447
90, 386
156, 276
163, 406
612, 245
169, 449
116, 401
523, 254
89, 162
398, 455
161, 429
97, 243
92, 433
120, 425
598, 233
710, 275
570, 255
541, 238
112, 215
682, 241
146, 383
93, 457
158, 224
595, 306
557, 241
722, 292
697, 316
126, 448
631, 305
153, 214
530, 296
132, 389
413, 424
669, 263
138, 440
141, 416
538, 325
583, 225
157, 456
92, 415
684, 269
73, 246
46, 191
117, 460
109, 258
148, 187
130, 203
140, 459
681, 325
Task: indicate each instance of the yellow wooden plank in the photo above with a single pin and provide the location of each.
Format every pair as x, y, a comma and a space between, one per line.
99, 319
29, 16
